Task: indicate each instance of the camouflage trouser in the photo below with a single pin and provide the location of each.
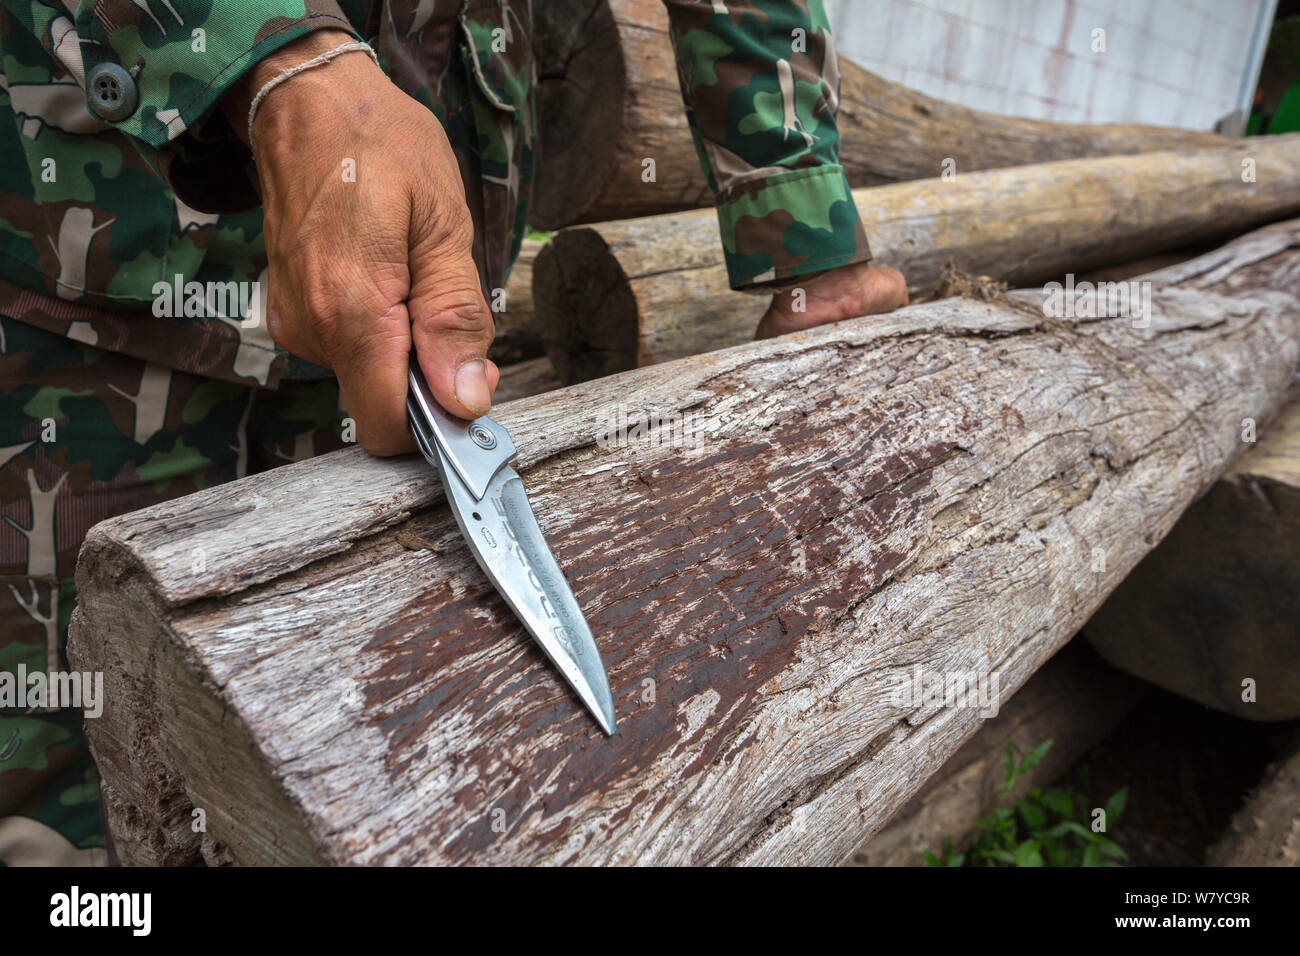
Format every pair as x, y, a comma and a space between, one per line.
86, 434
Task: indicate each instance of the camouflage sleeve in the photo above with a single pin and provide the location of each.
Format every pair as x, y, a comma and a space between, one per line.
181, 57
761, 85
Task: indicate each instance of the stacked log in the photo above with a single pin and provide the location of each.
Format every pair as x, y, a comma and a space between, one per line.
624, 294
608, 100
814, 571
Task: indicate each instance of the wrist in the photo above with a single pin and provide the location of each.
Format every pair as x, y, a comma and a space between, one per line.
239, 98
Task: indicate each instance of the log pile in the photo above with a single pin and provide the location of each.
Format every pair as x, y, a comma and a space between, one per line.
608, 99
1213, 613
956, 487
619, 295
819, 568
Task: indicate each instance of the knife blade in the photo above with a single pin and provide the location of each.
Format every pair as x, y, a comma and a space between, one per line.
491, 507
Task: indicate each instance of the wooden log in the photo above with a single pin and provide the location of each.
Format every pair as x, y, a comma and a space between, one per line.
517, 337
1075, 701
608, 99
1213, 613
311, 657
1266, 830
525, 378
619, 295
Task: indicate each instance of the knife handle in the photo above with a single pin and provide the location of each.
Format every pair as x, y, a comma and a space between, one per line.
475, 450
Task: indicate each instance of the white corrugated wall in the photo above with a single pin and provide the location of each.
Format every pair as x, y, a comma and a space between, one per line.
1165, 62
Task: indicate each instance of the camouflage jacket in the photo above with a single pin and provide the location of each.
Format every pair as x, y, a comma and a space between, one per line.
97, 217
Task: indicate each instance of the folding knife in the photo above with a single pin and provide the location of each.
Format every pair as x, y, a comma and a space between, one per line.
488, 499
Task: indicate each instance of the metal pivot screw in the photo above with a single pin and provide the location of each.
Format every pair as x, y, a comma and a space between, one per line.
482, 436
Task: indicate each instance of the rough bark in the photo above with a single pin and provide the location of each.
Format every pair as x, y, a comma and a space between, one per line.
311, 656
1213, 613
608, 99
618, 295
1075, 700
1266, 830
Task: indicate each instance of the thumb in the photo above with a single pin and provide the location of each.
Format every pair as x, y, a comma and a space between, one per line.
451, 329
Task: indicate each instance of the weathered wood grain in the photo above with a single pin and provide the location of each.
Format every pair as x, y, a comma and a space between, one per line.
1075, 700
608, 99
957, 486
618, 295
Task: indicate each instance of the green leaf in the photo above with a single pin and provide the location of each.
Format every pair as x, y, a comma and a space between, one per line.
958, 860
1092, 855
1027, 854
1004, 832
1077, 828
1030, 762
930, 858
1059, 802
1115, 805
1057, 855
1032, 814
1111, 848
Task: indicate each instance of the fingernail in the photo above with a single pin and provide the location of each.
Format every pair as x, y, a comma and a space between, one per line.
472, 387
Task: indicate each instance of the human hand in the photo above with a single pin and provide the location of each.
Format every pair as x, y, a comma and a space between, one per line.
368, 237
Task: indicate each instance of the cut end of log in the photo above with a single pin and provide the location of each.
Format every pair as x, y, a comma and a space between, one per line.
578, 52
585, 307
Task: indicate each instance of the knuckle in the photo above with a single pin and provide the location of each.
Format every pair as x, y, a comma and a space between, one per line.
374, 344
452, 220
322, 302
463, 314
460, 230
328, 328
442, 225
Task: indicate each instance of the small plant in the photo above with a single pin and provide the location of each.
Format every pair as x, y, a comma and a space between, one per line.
1050, 826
